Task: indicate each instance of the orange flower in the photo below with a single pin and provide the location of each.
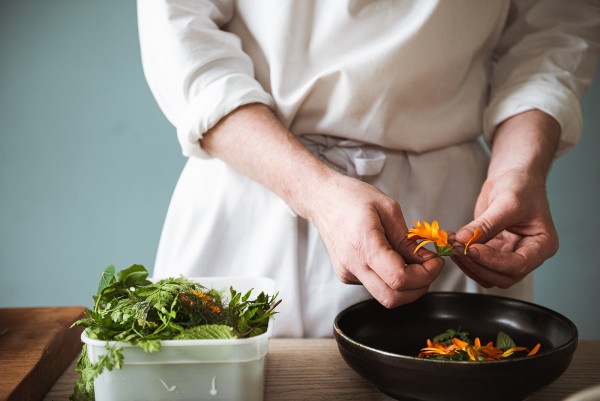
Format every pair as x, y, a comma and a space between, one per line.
434, 234
430, 234
476, 235
202, 295
205, 299
474, 352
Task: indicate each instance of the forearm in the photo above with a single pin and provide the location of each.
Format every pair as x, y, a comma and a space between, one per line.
254, 142
525, 143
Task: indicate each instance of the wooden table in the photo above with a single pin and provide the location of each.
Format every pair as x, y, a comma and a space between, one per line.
36, 345
313, 369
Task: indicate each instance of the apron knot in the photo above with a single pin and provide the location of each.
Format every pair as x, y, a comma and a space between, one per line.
356, 159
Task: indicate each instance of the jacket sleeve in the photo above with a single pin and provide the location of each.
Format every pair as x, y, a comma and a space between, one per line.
197, 72
545, 59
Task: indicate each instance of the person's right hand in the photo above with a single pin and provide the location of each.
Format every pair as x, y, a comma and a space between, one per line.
365, 234
362, 228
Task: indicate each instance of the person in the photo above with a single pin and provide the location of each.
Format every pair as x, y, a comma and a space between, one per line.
315, 130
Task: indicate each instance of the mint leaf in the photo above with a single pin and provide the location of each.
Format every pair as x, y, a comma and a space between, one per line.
206, 332
447, 336
504, 342
107, 278
133, 275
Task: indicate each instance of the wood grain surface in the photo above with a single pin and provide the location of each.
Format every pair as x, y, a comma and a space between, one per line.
313, 369
36, 346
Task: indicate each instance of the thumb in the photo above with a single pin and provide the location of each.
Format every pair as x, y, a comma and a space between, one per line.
488, 225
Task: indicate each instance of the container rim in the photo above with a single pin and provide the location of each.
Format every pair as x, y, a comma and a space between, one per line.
185, 343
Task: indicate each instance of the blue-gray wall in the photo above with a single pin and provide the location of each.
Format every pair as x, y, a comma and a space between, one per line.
88, 163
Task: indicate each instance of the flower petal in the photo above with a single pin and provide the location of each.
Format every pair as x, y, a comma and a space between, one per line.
512, 350
476, 235
435, 228
424, 242
442, 238
473, 354
535, 349
459, 343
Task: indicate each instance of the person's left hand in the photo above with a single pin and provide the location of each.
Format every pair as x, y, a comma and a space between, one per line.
518, 233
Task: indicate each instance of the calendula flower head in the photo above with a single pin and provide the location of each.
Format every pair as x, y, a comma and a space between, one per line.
431, 233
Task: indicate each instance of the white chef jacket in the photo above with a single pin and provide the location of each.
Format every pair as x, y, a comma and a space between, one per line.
396, 93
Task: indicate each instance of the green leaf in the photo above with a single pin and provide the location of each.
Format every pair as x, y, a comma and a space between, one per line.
243, 325
150, 345
448, 335
84, 388
206, 332
235, 298
116, 315
504, 342
107, 278
132, 275
257, 332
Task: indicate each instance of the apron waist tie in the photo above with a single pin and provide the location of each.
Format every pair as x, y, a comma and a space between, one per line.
355, 159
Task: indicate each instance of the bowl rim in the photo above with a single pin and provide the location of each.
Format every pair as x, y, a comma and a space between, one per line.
571, 342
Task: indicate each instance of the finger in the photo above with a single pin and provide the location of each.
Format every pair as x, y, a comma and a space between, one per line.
343, 274
472, 270
385, 295
466, 233
489, 266
489, 224
392, 220
393, 270
528, 254
407, 249
395, 229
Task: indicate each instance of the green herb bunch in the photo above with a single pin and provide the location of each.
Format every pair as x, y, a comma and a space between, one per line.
128, 307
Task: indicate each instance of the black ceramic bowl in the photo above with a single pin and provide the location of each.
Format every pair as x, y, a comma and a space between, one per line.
382, 346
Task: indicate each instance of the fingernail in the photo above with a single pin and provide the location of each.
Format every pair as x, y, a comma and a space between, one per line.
426, 254
473, 253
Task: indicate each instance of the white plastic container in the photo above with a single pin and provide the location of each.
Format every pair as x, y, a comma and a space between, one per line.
230, 369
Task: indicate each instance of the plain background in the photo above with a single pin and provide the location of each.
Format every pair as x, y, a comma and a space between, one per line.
88, 164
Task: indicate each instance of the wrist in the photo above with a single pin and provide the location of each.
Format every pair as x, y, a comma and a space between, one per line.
306, 185
525, 144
